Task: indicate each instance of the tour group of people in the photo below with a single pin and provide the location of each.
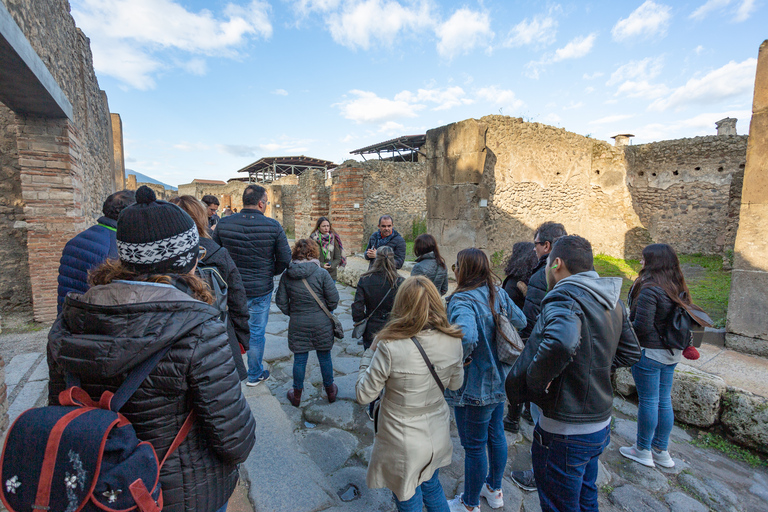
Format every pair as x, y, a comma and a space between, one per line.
136, 283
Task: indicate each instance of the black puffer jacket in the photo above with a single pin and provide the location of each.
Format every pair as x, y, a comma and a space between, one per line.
257, 245
309, 327
652, 308
537, 289
102, 335
581, 336
371, 289
427, 266
237, 303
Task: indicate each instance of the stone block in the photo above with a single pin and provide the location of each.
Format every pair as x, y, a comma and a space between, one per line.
713, 493
696, 396
370, 500
681, 502
340, 414
643, 476
746, 345
760, 99
634, 499
347, 365
329, 449
456, 153
745, 417
624, 383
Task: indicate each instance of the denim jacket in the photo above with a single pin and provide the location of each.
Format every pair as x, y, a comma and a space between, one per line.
485, 375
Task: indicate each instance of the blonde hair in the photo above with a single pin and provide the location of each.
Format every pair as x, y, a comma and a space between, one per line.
196, 210
417, 306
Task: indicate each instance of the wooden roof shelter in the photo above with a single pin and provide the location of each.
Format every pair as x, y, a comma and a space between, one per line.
402, 149
271, 168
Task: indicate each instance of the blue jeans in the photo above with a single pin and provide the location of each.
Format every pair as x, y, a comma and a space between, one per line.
655, 416
429, 494
258, 307
481, 430
300, 367
565, 468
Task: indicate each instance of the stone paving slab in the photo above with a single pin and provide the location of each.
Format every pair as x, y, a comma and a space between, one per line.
19, 366
281, 478
30, 396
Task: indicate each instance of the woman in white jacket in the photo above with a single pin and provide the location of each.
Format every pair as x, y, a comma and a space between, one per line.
413, 425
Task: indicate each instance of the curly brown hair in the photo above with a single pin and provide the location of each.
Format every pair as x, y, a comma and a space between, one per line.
305, 249
112, 270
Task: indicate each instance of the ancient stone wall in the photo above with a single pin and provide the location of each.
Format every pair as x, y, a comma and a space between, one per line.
282, 202
65, 166
393, 188
687, 192
15, 290
312, 202
347, 205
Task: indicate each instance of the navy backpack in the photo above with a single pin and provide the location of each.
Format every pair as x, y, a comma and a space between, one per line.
84, 455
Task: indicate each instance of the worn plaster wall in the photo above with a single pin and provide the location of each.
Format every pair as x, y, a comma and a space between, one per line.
312, 202
687, 192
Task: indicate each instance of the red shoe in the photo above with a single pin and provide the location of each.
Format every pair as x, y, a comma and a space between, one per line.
294, 396
331, 391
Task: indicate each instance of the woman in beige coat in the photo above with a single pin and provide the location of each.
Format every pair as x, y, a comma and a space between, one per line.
413, 427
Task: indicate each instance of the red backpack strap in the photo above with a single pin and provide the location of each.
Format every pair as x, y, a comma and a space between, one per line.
76, 397
185, 428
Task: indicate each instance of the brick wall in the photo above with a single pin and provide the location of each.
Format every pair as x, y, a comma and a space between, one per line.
346, 192
52, 190
312, 201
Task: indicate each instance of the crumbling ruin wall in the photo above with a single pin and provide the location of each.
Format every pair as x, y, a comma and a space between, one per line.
312, 202
687, 192
397, 189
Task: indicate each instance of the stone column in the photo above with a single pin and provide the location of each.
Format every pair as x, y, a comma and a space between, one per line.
456, 198
346, 209
747, 327
117, 148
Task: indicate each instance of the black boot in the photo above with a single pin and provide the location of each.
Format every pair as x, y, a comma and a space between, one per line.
512, 420
527, 413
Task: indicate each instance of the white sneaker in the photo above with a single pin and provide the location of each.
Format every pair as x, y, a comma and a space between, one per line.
644, 457
495, 499
456, 505
663, 459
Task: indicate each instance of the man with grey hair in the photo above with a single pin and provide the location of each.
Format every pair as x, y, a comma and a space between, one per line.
386, 235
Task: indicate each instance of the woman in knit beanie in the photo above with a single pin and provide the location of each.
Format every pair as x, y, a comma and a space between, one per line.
144, 302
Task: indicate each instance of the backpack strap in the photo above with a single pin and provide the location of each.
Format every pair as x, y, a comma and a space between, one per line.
180, 436
429, 364
135, 378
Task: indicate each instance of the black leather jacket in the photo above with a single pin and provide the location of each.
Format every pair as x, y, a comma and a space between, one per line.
578, 340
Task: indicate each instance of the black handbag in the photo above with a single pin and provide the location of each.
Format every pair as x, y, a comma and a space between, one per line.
338, 330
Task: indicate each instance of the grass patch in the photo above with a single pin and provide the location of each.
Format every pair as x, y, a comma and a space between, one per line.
716, 442
409, 256
708, 282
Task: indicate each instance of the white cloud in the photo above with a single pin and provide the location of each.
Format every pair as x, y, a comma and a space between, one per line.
463, 32
361, 24
699, 50
596, 74
501, 97
576, 48
745, 10
280, 92
642, 89
552, 118
286, 145
611, 119
741, 13
539, 31
367, 107
391, 127
574, 105
649, 67
708, 7
729, 81
443, 98
650, 19
186, 146
589, 90
129, 36
701, 124
305, 7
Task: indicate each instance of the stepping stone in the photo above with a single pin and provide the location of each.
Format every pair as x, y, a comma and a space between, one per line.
19, 366
645, 477
275, 465
633, 499
277, 326
681, 502
712, 493
370, 500
29, 396
626, 429
625, 407
340, 414
365, 454
531, 502
275, 349
346, 386
329, 449
41, 372
347, 365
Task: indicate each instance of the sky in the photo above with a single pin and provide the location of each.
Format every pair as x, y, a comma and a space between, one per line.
205, 88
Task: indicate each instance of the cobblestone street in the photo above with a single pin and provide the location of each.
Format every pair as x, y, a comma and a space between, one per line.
314, 458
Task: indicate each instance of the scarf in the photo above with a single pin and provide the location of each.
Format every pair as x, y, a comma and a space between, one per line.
327, 242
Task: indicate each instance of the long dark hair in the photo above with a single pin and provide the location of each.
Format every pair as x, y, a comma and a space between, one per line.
473, 271
320, 221
384, 264
521, 263
425, 244
662, 269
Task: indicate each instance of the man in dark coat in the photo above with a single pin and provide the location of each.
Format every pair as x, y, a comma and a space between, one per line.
91, 247
582, 335
260, 250
386, 235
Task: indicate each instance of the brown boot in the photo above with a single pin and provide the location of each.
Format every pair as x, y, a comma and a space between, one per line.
331, 391
294, 396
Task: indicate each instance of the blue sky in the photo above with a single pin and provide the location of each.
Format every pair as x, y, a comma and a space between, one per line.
207, 87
